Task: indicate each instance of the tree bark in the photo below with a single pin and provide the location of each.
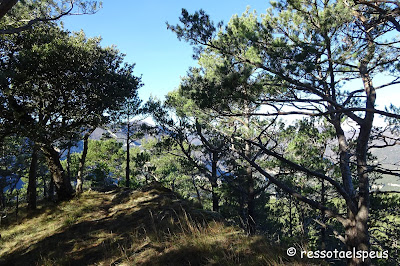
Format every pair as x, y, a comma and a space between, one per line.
44, 186
251, 206
323, 230
357, 235
62, 183
197, 191
82, 160
127, 169
17, 205
32, 180
6, 6
250, 197
69, 161
51, 190
2, 199
290, 217
214, 184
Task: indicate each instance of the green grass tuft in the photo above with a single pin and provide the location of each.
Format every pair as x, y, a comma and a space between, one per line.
153, 226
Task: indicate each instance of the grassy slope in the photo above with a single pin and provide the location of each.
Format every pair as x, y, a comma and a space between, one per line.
148, 227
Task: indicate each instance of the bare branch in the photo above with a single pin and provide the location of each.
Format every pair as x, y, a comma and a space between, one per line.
292, 164
329, 212
45, 18
36, 20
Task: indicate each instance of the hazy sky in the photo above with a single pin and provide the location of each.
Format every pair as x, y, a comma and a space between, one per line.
138, 29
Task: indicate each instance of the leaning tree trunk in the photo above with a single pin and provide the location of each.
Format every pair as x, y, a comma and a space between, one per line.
62, 183
32, 180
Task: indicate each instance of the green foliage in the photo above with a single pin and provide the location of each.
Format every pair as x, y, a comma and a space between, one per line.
104, 162
15, 153
305, 132
26, 13
385, 225
171, 172
298, 56
60, 82
56, 85
297, 59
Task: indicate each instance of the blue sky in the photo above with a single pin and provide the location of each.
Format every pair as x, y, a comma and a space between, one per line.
138, 30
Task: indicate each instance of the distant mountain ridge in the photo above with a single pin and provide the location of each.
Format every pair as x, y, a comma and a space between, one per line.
388, 157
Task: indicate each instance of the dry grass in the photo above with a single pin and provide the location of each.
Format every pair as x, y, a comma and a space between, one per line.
149, 227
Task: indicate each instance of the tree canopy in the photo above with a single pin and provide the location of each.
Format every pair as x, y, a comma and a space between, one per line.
302, 55
17, 16
57, 84
275, 129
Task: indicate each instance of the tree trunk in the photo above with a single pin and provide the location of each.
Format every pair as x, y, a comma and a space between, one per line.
44, 186
62, 183
242, 209
251, 206
5, 6
17, 205
51, 190
323, 230
214, 184
2, 199
215, 198
69, 161
290, 217
357, 238
357, 235
172, 185
32, 180
82, 160
127, 170
197, 191
250, 195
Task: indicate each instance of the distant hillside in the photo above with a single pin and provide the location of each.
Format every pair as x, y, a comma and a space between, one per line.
120, 133
388, 157
153, 226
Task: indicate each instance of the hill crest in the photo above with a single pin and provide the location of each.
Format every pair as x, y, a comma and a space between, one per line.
152, 226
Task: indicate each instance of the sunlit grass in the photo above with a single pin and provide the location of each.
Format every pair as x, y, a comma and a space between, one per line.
149, 227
